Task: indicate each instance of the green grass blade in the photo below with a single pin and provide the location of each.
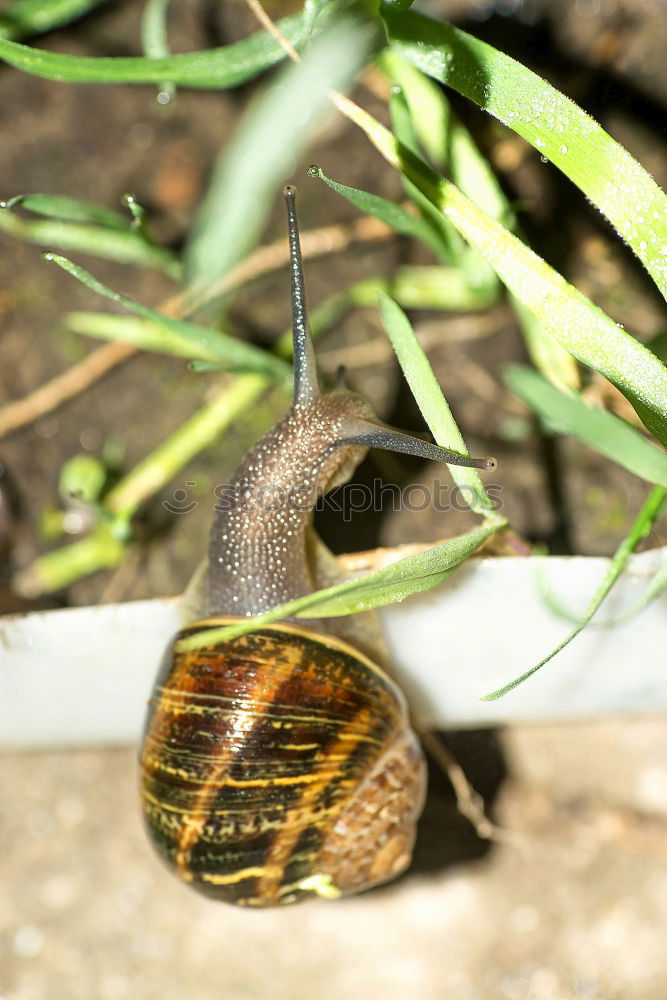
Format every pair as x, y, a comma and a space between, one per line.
464, 286
394, 216
155, 41
598, 428
453, 151
57, 206
266, 146
215, 69
583, 329
22, 18
402, 579
408, 576
431, 402
445, 139
544, 351
126, 247
453, 249
172, 336
551, 122
207, 349
472, 265
639, 530
564, 313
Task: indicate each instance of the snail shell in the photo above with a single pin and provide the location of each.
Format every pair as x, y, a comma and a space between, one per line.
279, 765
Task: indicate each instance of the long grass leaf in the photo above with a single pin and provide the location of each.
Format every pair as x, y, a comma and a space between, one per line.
445, 139
451, 148
598, 428
215, 69
567, 315
22, 18
173, 336
454, 249
548, 356
431, 402
126, 247
609, 176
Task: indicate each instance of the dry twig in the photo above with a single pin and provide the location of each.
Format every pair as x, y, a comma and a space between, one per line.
468, 801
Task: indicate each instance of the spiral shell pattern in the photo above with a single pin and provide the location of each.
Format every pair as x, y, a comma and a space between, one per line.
278, 765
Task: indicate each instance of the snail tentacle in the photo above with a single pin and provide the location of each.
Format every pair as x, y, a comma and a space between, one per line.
306, 384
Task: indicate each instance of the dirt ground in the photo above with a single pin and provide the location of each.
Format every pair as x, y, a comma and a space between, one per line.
573, 902
573, 905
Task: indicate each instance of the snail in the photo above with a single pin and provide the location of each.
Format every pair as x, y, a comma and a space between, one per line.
281, 764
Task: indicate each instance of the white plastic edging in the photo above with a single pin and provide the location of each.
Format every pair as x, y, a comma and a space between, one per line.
81, 677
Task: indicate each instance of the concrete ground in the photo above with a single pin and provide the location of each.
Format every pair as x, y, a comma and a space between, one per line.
574, 906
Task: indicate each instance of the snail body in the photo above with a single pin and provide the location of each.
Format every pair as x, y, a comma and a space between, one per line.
282, 764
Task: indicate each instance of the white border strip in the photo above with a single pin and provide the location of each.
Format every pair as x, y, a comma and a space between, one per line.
80, 677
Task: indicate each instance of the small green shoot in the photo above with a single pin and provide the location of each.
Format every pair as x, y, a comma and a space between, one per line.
155, 41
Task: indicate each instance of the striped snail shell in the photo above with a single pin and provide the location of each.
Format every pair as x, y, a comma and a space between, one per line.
282, 764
